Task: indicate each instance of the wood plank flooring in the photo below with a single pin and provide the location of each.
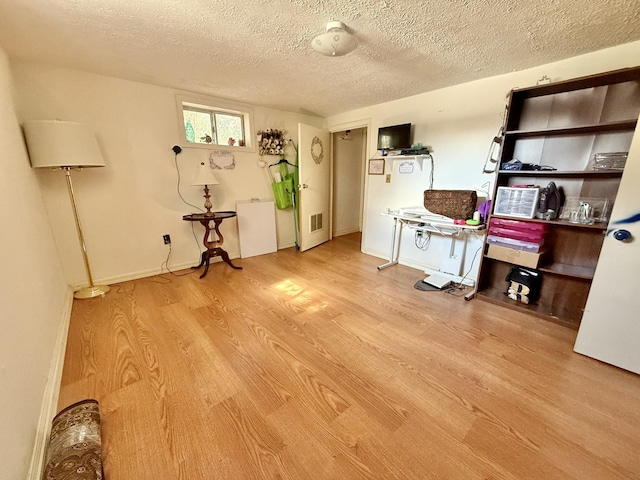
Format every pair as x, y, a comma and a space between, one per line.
315, 365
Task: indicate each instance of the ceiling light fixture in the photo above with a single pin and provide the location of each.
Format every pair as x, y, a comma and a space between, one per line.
336, 41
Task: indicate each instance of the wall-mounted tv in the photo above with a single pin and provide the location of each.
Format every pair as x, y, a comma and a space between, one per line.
395, 137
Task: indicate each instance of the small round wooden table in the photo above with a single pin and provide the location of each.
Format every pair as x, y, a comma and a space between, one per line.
214, 247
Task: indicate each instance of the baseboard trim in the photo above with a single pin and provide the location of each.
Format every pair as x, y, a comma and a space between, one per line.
151, 272
48, 409
374, 253
145, 273
401, 260
428, 269
348, 231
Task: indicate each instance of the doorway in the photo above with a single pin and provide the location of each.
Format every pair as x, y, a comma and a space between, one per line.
349, 160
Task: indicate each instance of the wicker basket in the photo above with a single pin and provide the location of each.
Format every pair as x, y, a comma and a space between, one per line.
457, 204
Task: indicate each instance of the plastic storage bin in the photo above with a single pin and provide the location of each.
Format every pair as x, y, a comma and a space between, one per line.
514, 244
523, 231
519, 225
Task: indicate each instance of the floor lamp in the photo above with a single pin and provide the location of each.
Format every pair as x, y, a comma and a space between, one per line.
66, 145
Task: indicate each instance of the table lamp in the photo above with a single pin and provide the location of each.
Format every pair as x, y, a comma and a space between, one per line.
205, 177
66, 145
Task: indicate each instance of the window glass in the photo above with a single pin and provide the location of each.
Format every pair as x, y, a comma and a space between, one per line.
229, 127
197, 126
207, 121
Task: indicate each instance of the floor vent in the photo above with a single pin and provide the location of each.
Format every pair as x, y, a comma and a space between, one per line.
316, 222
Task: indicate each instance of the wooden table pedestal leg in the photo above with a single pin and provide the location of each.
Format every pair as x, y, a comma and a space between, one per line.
214, 252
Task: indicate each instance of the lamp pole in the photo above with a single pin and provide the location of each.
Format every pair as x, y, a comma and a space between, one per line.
92, 290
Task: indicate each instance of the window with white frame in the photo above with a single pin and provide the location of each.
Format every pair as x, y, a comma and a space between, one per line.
210, 122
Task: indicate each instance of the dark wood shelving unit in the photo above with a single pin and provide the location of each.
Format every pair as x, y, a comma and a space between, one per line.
579, 130
563, 269
562, 125
561, 173
558, 222
540, 310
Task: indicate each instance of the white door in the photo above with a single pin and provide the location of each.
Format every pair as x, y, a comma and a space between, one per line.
610, 327
315, 185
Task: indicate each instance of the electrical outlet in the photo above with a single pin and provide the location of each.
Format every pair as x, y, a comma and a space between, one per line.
167, 238
388, 178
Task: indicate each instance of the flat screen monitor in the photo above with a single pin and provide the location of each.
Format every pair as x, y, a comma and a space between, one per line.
395, 137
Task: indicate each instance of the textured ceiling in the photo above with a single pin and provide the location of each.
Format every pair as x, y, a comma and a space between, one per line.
259, 51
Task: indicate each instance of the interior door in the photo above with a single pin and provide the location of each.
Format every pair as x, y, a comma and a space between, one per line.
315, 185
610, 327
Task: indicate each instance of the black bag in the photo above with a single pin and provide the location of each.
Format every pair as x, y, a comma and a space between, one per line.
524, 284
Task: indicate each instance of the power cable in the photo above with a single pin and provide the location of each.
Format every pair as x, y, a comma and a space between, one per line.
176, 150
165, 265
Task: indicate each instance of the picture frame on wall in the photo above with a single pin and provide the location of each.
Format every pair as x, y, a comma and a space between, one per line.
376, 166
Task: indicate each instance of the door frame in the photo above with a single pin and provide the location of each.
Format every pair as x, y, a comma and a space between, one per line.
340, 127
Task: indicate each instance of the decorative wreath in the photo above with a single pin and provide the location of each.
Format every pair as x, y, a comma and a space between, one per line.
229, 160
317, 157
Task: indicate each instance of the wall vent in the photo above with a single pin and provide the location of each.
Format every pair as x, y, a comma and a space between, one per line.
315, 222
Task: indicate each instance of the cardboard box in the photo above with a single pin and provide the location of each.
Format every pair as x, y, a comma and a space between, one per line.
517, 257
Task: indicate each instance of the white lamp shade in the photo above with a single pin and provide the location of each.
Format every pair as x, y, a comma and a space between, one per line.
54, 143
336, 41
205, 176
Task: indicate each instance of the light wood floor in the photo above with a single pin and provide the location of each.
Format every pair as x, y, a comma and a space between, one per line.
316, 366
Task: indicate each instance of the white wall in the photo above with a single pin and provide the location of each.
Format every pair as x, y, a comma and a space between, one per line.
33, 292
459, 124
126, 207
347, 181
